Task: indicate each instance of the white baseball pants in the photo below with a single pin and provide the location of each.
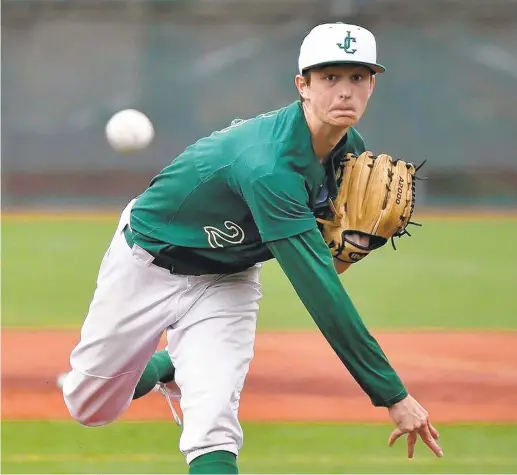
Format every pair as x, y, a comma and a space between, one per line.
210, 322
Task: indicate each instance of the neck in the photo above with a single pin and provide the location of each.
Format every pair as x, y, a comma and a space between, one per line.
324, 136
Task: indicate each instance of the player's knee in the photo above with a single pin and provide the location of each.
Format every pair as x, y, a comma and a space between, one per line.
88, 400
86, 417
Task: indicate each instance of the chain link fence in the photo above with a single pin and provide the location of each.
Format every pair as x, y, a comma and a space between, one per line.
448, 95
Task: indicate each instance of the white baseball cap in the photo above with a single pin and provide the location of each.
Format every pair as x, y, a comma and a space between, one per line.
332, 43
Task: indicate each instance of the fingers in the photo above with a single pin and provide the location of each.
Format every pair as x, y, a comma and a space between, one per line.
411, 442
433, 431
427, 433
429, 440
394, 436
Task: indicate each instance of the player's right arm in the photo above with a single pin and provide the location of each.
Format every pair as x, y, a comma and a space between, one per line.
278, 202
307, 262
308, 265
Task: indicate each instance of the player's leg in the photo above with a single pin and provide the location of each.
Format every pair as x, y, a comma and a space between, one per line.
132, 305
159, 370
211, 347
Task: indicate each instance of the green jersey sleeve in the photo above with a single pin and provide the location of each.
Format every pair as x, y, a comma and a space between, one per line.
278, 202
308, 265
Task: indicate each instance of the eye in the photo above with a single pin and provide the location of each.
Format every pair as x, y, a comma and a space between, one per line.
330, 77
357, 77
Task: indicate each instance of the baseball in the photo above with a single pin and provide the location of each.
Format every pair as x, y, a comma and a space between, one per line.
129, 131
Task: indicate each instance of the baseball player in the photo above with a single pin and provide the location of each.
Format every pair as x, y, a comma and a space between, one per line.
295, 184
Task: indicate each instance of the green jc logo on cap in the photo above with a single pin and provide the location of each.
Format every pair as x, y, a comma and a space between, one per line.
346, 44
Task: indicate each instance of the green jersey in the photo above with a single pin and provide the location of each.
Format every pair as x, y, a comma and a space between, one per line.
226, 196
249, 193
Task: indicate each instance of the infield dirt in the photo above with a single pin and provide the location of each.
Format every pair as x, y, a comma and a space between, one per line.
457, 376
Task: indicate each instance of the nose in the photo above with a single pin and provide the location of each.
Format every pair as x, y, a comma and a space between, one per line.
346, 91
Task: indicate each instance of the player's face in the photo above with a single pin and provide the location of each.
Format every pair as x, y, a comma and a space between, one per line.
338, 95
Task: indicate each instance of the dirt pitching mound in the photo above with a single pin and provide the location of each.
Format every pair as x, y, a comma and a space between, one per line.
458, 377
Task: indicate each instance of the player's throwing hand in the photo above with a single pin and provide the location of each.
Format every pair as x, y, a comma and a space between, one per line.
412, 419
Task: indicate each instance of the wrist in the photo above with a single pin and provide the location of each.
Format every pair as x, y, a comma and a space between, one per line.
396, 399
341, 266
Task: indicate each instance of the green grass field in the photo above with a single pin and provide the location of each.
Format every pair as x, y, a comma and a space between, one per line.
52, 447
449, 275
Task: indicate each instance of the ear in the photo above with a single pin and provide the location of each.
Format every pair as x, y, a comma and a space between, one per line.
373, 81
302, 86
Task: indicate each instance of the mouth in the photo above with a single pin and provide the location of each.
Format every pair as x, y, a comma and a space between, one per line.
343, 110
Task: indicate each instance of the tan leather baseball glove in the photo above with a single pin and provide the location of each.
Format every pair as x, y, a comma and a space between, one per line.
375, 199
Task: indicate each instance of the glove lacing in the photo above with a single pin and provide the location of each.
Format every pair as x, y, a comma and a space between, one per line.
404, 231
